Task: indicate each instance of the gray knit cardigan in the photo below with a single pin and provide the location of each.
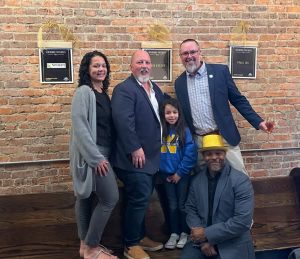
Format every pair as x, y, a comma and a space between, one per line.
84, 153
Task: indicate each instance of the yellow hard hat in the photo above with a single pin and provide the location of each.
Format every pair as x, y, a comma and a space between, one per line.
213, 142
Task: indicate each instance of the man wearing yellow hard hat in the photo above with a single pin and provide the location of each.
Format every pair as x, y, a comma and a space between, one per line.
219, 208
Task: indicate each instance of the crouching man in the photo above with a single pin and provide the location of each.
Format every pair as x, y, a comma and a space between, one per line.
219, 208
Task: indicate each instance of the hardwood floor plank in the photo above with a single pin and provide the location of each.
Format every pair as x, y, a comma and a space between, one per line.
42, 226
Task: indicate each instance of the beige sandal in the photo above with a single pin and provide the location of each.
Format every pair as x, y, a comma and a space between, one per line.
104, 252
107, 250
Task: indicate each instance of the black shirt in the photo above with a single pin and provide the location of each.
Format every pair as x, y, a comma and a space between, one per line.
212, 185
105, 129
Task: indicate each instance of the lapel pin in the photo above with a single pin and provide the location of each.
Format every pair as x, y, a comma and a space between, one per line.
211, 76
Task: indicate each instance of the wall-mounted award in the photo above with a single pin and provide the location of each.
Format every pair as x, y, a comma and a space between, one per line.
160, 50
243, 61
56, 65
161, 58
55, 56
161, 64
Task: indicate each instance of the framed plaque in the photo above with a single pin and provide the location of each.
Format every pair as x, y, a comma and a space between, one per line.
161, 59
56, 65
243, 61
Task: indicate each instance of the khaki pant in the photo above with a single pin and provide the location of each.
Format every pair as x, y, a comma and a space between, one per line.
233, 155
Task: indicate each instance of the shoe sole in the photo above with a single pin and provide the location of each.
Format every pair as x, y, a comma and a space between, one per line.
129, 257
180, 246
152, 249
170, 247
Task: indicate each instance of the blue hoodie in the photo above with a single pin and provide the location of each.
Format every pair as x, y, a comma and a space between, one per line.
174, 159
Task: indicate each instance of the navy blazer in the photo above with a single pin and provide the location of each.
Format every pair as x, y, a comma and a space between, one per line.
137, 125
232, 213
222, 91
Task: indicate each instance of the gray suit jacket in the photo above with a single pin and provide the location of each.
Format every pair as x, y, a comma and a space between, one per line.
232, 212
84, 153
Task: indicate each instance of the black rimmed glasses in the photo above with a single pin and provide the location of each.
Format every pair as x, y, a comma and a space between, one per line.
187, 53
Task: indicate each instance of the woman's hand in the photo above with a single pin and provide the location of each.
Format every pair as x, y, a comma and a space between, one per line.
102, 168
174, 178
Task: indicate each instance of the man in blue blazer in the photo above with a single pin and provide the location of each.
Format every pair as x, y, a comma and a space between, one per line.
205, 91
136, 159
219, 208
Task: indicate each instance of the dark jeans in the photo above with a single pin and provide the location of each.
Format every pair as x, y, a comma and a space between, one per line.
138, 188
176, 195
161, 193
191, 252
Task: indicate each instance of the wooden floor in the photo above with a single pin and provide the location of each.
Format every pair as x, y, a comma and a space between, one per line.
42, 226
71, 253
164, 254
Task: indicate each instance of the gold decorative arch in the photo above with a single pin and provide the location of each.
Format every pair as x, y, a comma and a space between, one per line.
158, 32
66, 34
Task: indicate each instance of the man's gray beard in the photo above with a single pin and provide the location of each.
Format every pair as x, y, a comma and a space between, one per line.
143, 79
191, 68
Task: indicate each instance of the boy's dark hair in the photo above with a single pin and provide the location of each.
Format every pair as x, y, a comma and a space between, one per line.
179, 126
84, 76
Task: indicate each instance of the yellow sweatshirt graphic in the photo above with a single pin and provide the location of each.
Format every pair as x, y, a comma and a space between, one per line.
168, 146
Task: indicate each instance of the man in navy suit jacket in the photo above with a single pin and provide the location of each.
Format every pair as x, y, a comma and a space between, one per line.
135, 104
205, 91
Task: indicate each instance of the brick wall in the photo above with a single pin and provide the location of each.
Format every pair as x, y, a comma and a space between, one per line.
35, 117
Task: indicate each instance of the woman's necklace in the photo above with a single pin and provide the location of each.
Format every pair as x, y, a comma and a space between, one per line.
98, 88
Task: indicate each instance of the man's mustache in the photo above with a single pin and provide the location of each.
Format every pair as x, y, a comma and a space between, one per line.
144, 70
188, 59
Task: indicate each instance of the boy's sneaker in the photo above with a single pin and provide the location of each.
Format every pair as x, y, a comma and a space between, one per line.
135, 252
182, 240
149, 245
172, 242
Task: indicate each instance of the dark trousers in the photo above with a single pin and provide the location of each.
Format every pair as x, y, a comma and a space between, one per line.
138, 188
176, 195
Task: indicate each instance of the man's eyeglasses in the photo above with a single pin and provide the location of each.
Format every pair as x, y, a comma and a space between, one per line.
187, 53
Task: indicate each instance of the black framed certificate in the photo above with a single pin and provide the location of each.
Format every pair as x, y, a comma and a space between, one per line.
161, 64
243, 62
56, 65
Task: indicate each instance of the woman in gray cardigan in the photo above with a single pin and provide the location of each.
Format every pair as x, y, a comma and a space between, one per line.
92, 134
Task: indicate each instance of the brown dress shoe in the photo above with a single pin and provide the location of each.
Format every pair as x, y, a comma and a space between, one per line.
149, 245
135, 252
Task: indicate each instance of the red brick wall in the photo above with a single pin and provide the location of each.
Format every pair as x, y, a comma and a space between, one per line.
35, 117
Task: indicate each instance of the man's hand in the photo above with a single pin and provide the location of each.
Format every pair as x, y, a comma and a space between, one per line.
102, 168
138, 158
208, 249
198, 234
267, 126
